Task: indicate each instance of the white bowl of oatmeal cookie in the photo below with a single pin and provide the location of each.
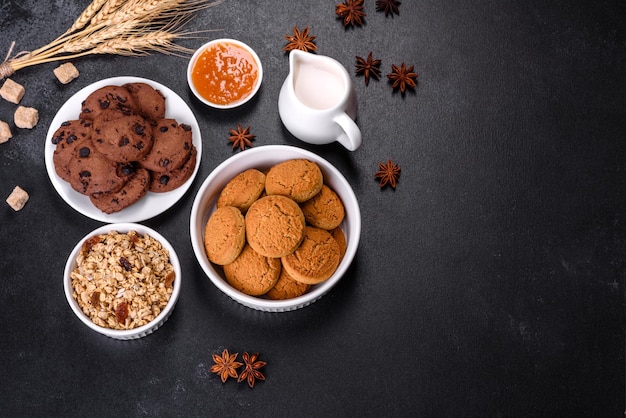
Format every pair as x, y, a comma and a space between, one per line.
263, 158
123, 280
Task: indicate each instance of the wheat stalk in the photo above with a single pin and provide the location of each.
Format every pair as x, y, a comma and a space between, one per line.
107, 9
140, 45
92, 40
139, 10
87, 15
120, 27
93, 14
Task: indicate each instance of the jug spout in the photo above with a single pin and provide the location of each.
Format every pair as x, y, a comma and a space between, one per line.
296, 59
295, 56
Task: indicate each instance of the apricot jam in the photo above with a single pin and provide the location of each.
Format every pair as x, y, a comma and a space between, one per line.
224, 73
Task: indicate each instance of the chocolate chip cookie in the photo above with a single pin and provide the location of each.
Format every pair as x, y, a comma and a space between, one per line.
134, 189
171, 146
70, 135
91, 172
168, 181
122, 138
150, 101
107, 98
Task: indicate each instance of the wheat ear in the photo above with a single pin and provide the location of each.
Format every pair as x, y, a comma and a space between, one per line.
87, 14
123, 27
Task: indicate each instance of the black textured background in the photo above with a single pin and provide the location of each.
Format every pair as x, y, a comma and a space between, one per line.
490, 283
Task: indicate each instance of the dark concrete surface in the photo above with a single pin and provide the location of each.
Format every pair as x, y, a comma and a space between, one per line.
490, 283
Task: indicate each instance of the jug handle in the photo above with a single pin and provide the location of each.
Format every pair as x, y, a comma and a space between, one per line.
351, 136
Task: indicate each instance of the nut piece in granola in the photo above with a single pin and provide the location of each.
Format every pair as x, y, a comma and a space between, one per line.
17, 199
122, 280
26, 117
12, 91
65, 73
5, 132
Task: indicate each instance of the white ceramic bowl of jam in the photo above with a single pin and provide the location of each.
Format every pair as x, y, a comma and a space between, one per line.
224, 73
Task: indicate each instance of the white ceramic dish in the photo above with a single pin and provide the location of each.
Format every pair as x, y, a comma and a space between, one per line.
139, 331
262, 158
152, 204
210, 44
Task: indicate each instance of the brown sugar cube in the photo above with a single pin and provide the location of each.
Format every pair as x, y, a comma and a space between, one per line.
18, 198
66, 72
12, 91
5, 132
26, 117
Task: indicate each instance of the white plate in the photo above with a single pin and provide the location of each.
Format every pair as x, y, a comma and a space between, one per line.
152, 204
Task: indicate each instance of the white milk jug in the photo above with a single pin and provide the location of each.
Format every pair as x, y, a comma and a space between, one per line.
317, 102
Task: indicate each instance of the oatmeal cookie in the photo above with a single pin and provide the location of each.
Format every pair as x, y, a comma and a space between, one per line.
340, 237
275, 226
252, 273
316, 259
324, 210
242, 190
298, 179
224, 235
286, 287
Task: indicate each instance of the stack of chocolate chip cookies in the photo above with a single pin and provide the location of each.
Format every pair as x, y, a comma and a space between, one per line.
277, 233
122, 146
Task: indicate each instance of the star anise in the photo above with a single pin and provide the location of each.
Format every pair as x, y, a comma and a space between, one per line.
388, 174
225, 365
368, 67
351, 11
388, 6
251, 372
402, 77
241, 137
300, 40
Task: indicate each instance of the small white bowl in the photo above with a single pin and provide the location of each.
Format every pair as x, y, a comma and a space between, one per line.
143, 330
194, 59
264, 157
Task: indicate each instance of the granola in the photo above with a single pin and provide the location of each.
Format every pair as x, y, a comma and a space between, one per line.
122, 280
